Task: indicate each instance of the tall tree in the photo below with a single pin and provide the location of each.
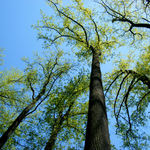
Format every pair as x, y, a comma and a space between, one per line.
78, 26
11, 98
59, 119
39, 79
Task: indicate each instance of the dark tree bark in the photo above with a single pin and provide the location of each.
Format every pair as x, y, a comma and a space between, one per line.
97, 133
57, 128
51, 142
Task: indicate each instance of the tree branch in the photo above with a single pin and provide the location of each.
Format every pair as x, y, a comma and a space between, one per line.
76, 22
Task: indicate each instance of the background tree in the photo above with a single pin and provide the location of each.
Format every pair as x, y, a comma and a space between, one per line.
11, 99
67, 113
131, 102
35, 86
58, 122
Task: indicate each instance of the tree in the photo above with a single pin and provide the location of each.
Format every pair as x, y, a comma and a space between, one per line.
60, 119
130, 19
66, 113
11, 99
39, 79
90, 39
131, 16
77, 27
131, 102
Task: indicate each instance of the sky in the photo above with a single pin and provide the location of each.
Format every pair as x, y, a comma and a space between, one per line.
17, 37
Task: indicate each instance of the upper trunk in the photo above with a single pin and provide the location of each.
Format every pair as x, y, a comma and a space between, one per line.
51, 142
97, 134
57, 128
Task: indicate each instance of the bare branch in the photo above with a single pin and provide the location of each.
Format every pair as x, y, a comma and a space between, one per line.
109, 8
141, 77
138, 25
113, 82
96, 29
118, 95
31, 87
125, 99
122, 17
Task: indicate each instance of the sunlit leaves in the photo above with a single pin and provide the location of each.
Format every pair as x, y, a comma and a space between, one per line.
30, 88
143, 64
76, 26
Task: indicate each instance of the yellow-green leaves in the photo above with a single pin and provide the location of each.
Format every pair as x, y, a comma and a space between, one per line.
78, 1
67, 110
75, 25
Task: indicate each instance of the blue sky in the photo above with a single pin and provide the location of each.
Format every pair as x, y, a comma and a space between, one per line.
16, 35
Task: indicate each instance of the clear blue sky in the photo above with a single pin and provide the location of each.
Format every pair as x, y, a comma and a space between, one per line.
16, 35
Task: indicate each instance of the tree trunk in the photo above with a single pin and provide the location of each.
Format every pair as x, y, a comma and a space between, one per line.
23, 114
51, 142
97, 133
57, 128
15, 124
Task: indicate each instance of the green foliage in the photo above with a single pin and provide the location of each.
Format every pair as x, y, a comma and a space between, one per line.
69, 97
18, 90
13, 99
11, 94
75, 25
143, 64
